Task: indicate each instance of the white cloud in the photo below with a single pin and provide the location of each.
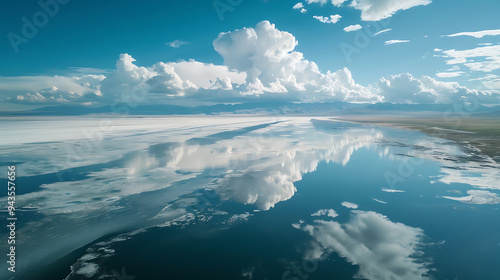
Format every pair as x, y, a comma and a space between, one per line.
337, 3
325, 212
259, 64
449, 74
167, 80
353, 27
453, 68
177, 43
485, 176
382, 31
300, 6
404, 88
486, 77
51, 89
344, 86
381, 248
273, 68
244, 217
477, 197
392, 191
437, 50
492, 84
477, 34
349, 205
490, 54
375, 10
390, 42
322, 2
379, 201
129, 80
267, 182
331, 19
205, 75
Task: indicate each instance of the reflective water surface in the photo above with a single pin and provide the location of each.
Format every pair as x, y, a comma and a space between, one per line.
225, 197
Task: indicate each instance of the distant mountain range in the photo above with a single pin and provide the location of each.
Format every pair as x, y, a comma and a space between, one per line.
281, 108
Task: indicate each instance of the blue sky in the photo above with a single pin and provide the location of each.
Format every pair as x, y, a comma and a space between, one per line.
87, 38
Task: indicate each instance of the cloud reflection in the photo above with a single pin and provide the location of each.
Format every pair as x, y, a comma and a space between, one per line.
381, 248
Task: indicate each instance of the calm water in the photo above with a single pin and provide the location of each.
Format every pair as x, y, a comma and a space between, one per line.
248, 198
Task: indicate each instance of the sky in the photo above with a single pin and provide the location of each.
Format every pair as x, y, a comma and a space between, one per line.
95, 53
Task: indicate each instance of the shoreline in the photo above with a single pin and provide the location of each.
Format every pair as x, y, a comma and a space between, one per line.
482, 133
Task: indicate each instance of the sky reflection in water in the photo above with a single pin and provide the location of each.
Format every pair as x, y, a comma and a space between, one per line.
301, 177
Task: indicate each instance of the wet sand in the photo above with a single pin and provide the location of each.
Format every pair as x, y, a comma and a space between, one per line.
481, 132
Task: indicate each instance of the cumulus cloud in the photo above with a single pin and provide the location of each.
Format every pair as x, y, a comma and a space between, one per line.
163, 80
265, 183
375, 10
353, 27
477, 34
51, 90
381, 248
260, 63
331, 19
273, 68
390, 42
404, 88
208, 75
344, 85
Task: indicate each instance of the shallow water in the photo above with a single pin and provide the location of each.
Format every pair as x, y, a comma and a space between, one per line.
219, 197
